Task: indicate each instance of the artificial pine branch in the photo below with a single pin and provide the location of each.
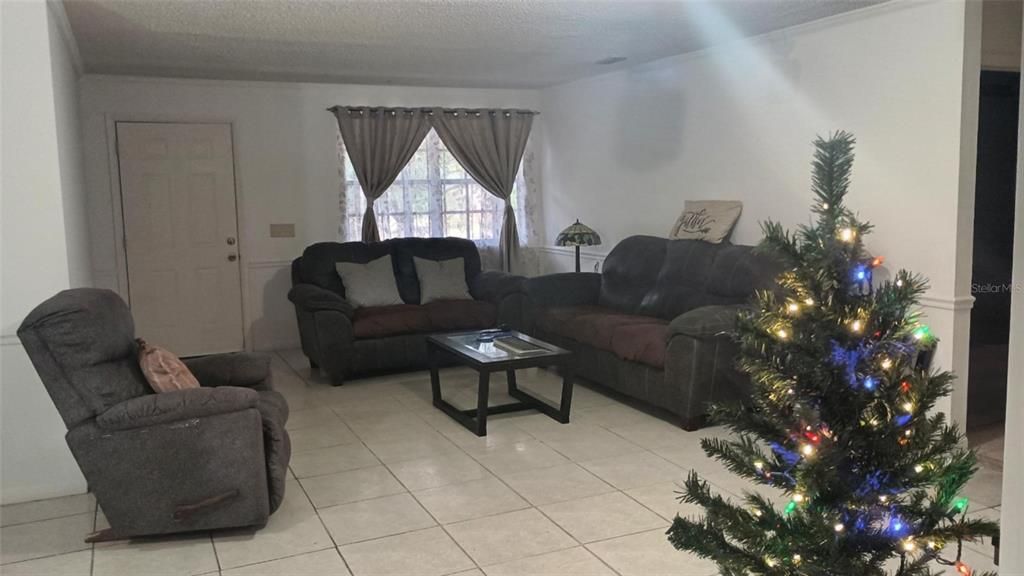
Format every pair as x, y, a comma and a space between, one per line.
838, 417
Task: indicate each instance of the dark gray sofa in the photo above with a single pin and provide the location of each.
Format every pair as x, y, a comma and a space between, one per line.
652, 325
198, 459
345, 341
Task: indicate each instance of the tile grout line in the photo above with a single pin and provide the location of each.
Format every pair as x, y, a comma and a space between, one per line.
316, 511
439, 525
216, 556
62, 516
92, 548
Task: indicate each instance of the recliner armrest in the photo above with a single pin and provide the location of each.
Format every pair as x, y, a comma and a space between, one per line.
494, 286
166, 407
314, 298
706, 321
243, 369
565, 289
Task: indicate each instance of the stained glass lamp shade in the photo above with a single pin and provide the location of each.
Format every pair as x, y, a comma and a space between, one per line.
577, 235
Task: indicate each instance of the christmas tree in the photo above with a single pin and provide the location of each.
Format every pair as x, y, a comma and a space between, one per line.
839, 417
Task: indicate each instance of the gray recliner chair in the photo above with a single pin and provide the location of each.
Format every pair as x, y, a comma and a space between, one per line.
212, 457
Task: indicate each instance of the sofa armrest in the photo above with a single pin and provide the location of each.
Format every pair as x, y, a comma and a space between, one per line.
153, 409
236, 369
566, 289
494, 286
706, 321
314, 298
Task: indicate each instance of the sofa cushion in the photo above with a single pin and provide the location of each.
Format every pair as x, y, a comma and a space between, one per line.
738, 271
630, 271
643, 343
461, 314
681, 280
380, 321
602, 328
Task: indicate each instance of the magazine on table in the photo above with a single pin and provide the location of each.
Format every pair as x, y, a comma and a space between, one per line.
518, 346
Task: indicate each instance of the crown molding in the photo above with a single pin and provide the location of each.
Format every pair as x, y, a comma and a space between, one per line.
59, 13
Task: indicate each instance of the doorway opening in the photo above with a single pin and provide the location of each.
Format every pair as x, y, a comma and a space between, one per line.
991, 282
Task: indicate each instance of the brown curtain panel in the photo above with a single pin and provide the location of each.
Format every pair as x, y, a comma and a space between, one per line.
379, 142
489, 144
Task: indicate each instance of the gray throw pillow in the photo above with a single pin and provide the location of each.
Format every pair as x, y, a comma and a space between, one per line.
370, 284
442, 279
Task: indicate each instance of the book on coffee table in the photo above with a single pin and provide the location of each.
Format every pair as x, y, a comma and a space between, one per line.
517, 346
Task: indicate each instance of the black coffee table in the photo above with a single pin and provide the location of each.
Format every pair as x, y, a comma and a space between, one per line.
493, 351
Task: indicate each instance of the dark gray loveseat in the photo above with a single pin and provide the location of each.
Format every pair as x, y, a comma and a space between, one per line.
345, 341
652, 324
197, 459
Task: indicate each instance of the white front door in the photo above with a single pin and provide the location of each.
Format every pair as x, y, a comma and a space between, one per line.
181, 235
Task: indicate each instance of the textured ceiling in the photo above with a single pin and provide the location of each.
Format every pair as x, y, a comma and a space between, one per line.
481, 43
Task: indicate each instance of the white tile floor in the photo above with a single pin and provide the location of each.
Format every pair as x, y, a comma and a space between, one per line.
382, 483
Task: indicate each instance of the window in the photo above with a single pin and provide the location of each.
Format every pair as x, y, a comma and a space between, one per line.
433, 196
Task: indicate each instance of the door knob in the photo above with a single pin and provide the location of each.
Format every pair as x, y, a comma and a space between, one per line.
231, 240
232, 257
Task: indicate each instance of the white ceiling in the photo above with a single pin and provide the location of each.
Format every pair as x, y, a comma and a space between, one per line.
479, 43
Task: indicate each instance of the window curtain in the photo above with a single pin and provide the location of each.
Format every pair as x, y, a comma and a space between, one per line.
489, 145
379, 142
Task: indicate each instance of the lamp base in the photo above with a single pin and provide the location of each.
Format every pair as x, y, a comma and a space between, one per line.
577, 258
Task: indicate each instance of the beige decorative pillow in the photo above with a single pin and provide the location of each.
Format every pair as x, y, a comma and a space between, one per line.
369, 284
164, 371
707, 220
442, 279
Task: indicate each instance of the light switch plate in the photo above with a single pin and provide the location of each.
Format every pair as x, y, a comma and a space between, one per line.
282, 230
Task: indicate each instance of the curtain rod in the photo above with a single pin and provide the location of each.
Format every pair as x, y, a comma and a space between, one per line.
430, 111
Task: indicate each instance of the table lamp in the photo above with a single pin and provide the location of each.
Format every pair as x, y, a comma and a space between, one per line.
578, 235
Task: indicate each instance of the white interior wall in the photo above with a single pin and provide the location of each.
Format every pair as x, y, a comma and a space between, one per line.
44, 243
64, 55
1011, 549
285, 162
623, 151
